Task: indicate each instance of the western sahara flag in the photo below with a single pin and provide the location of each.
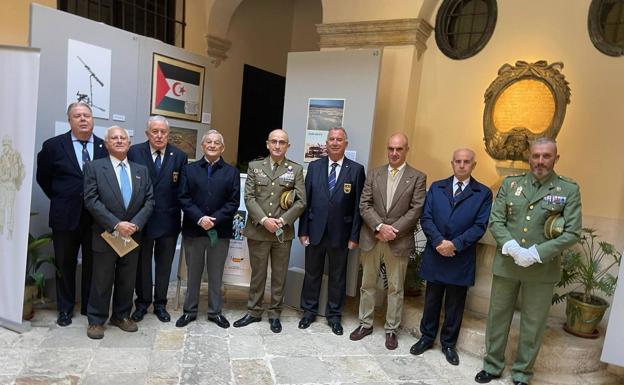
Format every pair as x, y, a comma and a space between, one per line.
177, 89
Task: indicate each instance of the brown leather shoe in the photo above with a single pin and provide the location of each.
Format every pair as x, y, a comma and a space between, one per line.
126, 324
360, 333
391, 341
95, 332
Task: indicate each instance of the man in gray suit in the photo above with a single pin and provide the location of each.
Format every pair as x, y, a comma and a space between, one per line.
119, 196
391, 203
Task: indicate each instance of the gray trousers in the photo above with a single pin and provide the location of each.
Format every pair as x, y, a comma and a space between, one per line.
198, 253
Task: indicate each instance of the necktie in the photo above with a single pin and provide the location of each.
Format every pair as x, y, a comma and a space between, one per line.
85, 153
393, 172
458, 191
124, 183
158, 161
275, 166
209, 170
331, 179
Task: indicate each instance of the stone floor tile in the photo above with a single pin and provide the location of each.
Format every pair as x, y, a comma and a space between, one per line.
301, 370
406, 368
51, 361
119, 339
8, 338
68, 337
205, 377
356, 369
114, 379
169, 339
247, 347
113, 360
32, 339
255, 372
165, 364
282, 345
333, 345
48, 380
12, 361
7, 380
162, 381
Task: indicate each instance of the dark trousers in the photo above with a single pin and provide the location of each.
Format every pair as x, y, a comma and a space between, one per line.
66, 245
454, 299
163, 251
199, 253
109, 269
337, 279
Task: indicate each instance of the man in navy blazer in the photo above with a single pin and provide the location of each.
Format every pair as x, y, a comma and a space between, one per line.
159, 237
119, 196
60, 175
330, 225
455, 217
210, 196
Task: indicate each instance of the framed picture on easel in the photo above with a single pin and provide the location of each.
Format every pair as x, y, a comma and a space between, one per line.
177, 88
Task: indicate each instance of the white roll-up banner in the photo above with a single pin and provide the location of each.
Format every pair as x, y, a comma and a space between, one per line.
19, 81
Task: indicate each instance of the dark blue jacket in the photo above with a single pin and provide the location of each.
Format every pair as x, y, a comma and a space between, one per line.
165, 219
462, 223
339, 211
217, 196
61, 179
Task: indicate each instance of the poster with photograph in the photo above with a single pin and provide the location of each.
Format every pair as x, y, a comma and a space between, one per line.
177, 88
237, 270
185, 139
323, 114
89, 76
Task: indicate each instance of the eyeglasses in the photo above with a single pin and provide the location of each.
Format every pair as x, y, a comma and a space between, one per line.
213, 142
277, 142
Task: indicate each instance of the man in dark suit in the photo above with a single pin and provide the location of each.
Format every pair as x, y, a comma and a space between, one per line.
119, 196
391, 203
330, 225
455, 217
210, 196
59, 174
164, 163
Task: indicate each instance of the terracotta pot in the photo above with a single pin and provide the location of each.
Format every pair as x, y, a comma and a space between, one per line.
582, 318
30, 292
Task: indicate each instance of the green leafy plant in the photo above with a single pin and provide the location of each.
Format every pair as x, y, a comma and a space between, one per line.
586, 268
36, 258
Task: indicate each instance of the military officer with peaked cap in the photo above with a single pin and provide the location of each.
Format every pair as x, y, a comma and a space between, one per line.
528, 259
275, 198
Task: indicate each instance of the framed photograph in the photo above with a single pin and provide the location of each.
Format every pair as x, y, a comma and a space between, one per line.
177, 88
323, 114
185, 139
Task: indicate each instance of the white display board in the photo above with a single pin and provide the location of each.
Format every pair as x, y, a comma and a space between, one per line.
19, 84
237, 271
614, 339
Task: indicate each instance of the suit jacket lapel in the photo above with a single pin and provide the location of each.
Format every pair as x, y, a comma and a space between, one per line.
267, 167
111, 178
68, 147
405, 181
448, 190
99, 151
345, 169
135, 179
383, 186
146, 153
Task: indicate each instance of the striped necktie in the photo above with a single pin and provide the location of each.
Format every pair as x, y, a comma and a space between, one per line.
331, 181
158, 161
459, 190
86, 158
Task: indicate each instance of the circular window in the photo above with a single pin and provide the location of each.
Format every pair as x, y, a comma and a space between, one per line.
463, 27
606, 26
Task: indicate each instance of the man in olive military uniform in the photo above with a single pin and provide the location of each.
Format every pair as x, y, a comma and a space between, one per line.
527, 260
275, 198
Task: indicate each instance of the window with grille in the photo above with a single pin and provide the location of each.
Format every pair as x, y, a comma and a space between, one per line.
606, 26
463, 27
160, 19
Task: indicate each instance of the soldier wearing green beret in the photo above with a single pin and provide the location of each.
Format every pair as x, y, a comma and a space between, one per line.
269, 229
526, 260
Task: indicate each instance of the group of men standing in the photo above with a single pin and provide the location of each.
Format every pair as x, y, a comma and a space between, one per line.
138, 193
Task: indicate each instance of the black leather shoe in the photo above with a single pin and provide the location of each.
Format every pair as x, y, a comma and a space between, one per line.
162, 314
246, 320
276, 325
420, 347
484, 377
520, 383
185, 320
138, 314
336, 328
305, 322
220, 320
64, 319
451, 355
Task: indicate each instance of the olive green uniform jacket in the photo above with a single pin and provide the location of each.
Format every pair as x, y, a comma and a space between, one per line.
263, 190
520, 211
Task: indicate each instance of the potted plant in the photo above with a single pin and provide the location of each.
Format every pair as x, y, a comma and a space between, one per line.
586, 268
35, 279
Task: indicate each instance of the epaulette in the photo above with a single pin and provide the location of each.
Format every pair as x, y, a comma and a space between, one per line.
566, 179
292, 162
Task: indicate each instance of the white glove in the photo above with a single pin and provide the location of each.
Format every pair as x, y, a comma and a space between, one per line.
511, 247
527, 257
